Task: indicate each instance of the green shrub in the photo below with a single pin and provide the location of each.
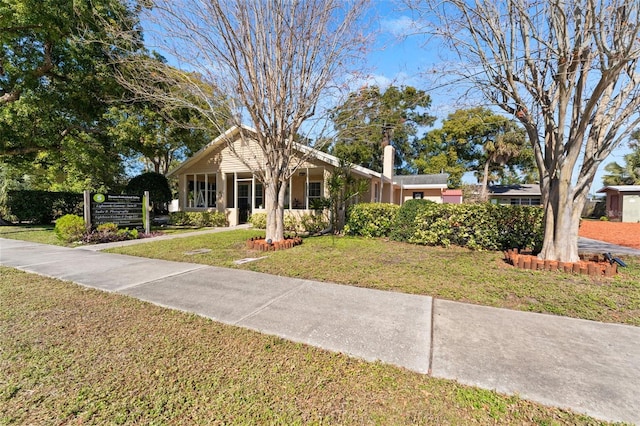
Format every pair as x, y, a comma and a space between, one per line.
404, 224
198, 219
313, 223
179, 219
370, 219
480, 226
157, 185
42, 206
70, 228
107, 228
291, 223
109, 232
258, 220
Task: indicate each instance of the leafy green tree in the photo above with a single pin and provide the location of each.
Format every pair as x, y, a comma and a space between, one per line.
474, 139
55, 84
156, 136
344, 187
629, 173
157, 185
567, 70
361, 120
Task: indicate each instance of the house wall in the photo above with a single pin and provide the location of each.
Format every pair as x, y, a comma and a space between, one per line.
433, 194
631, 208
223, 166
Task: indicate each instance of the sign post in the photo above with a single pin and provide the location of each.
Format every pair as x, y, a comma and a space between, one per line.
147, 210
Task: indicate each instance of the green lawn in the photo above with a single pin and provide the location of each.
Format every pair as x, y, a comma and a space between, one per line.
44, 233
70, 355
37, 233
449, 273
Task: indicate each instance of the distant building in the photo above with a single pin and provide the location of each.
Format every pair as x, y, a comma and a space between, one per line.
516, 195
623, 202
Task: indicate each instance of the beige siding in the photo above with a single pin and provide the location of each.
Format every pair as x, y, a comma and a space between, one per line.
433, 194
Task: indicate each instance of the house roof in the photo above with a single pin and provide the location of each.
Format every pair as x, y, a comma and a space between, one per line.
306, 150
524, 189
620, 188
423, 181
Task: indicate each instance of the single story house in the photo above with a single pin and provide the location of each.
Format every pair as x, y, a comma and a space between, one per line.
518, 194
220, 177
623, 202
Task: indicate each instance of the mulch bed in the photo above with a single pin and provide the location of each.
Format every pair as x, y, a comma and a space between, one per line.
260, 244
620, 233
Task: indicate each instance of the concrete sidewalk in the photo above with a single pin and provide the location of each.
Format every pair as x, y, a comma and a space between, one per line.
586, 366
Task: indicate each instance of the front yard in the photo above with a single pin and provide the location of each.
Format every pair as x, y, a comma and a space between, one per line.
452, 273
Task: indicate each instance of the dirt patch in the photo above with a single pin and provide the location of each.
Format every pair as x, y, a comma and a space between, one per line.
621, 233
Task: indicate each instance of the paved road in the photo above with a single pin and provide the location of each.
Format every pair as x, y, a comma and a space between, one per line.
586, 366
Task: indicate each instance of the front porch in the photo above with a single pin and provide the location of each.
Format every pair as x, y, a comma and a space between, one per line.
240, 194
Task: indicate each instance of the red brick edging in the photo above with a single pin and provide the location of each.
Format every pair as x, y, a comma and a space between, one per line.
593, 266
259, 243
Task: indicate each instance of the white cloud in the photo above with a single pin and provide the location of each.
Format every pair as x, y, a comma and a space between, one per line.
400, 27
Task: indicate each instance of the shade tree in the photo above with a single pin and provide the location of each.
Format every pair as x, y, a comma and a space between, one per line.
566, 70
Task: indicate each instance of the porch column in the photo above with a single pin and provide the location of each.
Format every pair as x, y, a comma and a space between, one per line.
290, 190
221, 202
206, 190
306, 201
253, 193
235, 196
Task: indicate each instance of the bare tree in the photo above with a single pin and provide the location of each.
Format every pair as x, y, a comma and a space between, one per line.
276, 61
567, 70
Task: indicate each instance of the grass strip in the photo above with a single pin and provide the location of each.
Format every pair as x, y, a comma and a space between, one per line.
73, 355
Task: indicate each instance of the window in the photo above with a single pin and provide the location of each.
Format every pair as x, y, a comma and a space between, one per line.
524, 202
201, 191
418, 195
314, 191
259, 201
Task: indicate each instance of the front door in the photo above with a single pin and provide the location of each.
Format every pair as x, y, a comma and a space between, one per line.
244, 202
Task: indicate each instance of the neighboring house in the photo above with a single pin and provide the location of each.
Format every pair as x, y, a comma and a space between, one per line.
623, 202
518, 194
452, 196
214, 178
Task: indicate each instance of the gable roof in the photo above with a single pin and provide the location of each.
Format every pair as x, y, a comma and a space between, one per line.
620, 188
435, 181
524, 189
305, 150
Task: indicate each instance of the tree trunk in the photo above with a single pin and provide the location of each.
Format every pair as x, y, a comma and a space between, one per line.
485, 182
274, 203
562, 214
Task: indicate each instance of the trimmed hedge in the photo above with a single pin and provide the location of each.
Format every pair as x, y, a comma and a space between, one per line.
476, 226
404, 224
370, 219
480, 226
42, 207
198, 219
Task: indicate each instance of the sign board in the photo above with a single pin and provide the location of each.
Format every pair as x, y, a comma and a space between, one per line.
126, 211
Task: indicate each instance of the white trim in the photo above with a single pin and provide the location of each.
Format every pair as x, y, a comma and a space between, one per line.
429, 186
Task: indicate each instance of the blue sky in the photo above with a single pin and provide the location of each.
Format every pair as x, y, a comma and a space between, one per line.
399, 60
